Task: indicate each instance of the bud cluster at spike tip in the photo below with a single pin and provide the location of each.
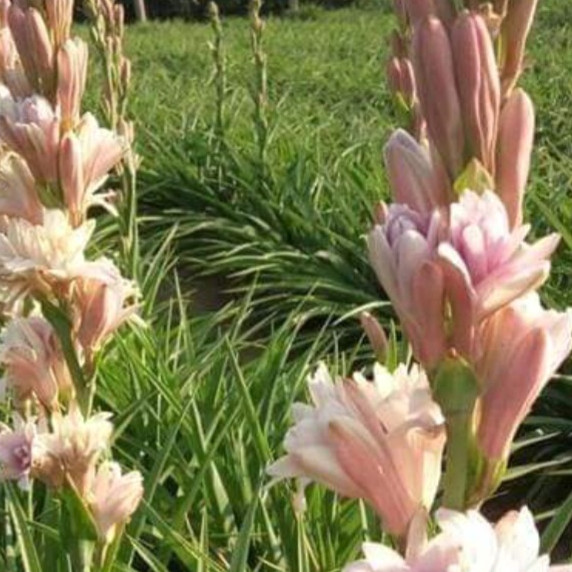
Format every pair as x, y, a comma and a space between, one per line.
466, 111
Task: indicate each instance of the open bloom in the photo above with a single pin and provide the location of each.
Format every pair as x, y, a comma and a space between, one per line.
487, 265
38, 259
16, 450
523, 345
468, 543
381, 441
102, 306
71, 450
402, 251
85, 159
113, 498
33, 361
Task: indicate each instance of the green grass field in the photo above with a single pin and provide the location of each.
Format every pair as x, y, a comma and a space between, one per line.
253, 272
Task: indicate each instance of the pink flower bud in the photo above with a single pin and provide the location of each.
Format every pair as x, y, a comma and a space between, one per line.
72, 75
375, 334
523, 345
18, 192
363, 439
418, 10
33, 361
32, 39
400, 79
71, 177
416, 179
113, 498
402, 252
514, 31
478, 86
436, 86
102, 306
60, 16
514, 149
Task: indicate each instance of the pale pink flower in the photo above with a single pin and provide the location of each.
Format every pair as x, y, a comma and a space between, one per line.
523, 345
35, 258
18, 193
510, 546
113, 498
487, 265
381, 441
31, 128
402, 251
33, 360
86, 157
102, 306
16, 450
72, 449
468, 543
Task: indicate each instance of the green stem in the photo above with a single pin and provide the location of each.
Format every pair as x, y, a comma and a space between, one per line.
62, 326
456, 389
457, 468
82, 556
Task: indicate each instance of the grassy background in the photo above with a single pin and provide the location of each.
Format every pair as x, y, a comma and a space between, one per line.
252, 273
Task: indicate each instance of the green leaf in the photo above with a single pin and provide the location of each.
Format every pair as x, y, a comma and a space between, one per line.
557, 527
30, 559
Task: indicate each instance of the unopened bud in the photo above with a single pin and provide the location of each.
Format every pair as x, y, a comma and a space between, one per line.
514, 149
478, 86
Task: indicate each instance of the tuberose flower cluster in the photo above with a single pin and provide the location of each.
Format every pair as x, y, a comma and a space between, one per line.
61, 305
452, 255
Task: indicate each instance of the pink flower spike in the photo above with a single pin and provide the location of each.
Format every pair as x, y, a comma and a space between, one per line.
33, 361
514, 149
16, 451
364, 439
478, 85
522, 347
435, 76
114, 498
417, 179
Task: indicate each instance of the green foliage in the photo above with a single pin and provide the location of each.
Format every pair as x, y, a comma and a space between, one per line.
202, 400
